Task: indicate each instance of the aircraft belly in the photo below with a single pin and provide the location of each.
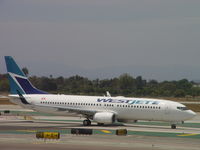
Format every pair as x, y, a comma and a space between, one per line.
140, 115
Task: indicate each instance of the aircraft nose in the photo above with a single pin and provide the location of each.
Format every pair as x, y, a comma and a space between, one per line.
191, 114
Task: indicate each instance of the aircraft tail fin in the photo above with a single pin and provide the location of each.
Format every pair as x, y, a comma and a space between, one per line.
19, 83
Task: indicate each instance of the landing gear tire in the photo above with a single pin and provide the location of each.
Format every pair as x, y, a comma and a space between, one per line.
86, 122
173, 126
100, 124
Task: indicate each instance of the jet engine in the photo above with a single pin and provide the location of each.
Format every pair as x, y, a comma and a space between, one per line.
104, 117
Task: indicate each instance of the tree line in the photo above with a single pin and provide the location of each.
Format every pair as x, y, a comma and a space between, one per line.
124, 85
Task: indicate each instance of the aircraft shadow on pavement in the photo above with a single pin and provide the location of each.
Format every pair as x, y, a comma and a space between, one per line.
37, 124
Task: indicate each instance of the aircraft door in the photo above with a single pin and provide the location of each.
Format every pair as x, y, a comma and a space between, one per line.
167, 110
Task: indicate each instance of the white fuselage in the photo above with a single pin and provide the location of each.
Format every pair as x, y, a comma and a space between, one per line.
124, 108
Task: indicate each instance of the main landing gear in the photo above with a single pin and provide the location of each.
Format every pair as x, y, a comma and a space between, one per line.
86, 122
173, 126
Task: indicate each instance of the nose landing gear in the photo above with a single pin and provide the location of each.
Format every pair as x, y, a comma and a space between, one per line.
173, 126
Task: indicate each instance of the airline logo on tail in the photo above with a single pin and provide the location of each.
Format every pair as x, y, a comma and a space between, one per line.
19, 83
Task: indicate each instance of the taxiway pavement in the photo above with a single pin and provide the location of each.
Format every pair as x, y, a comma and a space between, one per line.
18, 132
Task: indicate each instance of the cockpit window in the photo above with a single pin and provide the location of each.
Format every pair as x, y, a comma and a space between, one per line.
182, 108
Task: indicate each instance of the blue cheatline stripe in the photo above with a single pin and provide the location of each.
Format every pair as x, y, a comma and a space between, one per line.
27, 87
12, 66
14, 87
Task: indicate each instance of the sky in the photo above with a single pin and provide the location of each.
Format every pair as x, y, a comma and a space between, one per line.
155, 39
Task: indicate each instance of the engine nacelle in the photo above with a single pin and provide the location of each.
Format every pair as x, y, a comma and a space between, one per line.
104, 117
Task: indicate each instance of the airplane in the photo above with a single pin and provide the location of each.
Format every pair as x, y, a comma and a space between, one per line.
100, 109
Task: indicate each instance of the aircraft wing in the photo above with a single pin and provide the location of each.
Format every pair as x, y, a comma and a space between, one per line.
71, 110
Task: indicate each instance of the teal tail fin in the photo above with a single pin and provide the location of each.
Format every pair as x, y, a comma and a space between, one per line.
19, 83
